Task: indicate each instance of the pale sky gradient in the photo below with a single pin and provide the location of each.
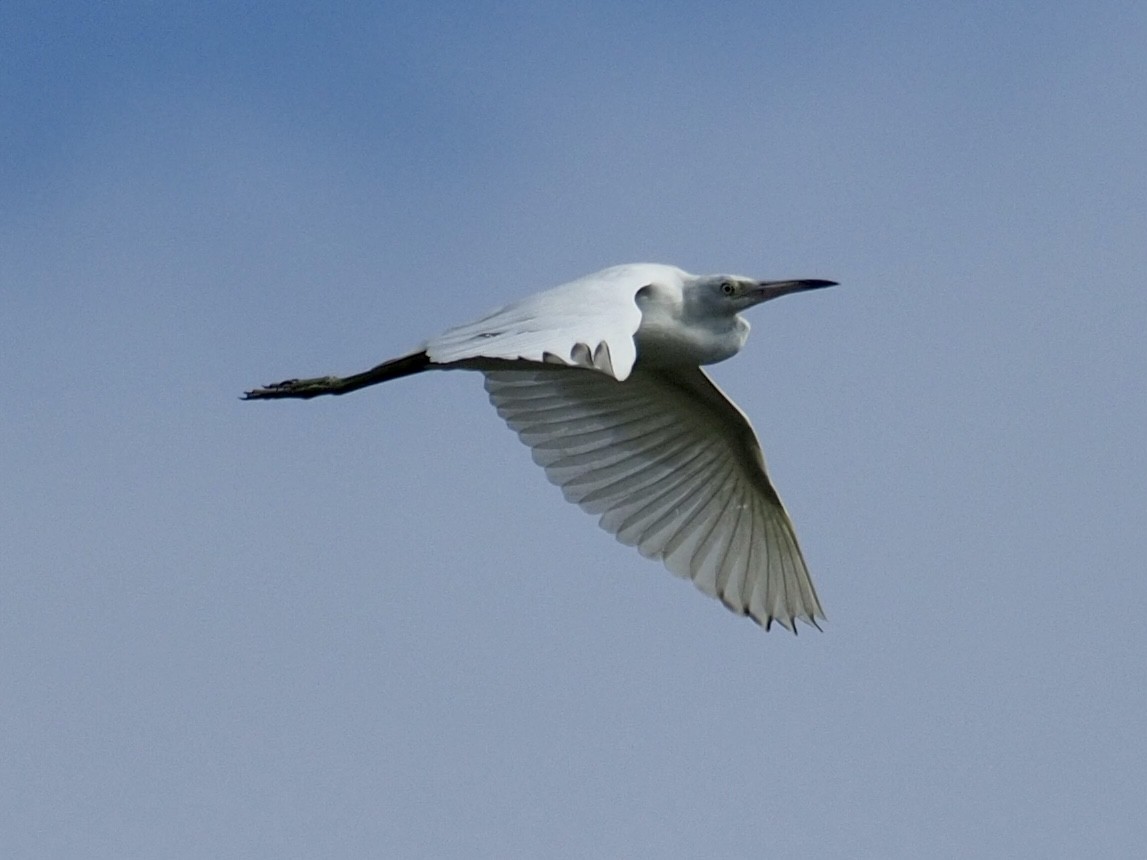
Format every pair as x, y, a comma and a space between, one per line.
368, 626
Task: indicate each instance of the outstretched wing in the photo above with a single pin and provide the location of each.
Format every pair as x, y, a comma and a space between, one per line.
589, 322
673, 468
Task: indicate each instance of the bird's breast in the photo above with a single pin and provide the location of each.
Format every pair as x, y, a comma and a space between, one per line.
666, 341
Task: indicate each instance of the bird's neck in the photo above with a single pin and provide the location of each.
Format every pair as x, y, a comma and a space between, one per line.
663, 340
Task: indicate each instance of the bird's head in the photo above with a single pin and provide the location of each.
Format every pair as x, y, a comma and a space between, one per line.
734, 293
697, 319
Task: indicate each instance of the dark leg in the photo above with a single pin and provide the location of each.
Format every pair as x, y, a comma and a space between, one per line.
308, 388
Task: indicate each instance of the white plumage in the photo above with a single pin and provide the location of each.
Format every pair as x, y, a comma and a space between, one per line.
601, 378
596, 309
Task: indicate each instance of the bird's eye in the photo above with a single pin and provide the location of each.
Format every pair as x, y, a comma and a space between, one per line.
728, 288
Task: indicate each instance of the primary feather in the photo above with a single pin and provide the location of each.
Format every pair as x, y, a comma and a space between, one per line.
673, 468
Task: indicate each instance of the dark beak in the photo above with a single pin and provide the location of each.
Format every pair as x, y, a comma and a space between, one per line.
775, 289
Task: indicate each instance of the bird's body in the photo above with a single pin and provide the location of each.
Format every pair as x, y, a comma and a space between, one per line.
602, 378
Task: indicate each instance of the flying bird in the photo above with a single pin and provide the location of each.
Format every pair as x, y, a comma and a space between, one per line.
602, 378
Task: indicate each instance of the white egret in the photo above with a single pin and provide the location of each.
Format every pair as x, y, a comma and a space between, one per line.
602, 378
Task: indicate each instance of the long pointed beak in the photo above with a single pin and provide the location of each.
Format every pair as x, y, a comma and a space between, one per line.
775, 289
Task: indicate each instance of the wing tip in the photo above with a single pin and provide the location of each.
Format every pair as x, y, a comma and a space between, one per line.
789, 622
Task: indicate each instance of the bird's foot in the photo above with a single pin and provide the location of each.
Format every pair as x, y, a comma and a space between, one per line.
300, 388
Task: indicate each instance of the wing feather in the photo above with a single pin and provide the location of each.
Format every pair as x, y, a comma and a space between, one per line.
590, 322
672, 467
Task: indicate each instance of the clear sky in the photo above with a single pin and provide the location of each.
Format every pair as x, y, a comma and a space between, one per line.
368, 626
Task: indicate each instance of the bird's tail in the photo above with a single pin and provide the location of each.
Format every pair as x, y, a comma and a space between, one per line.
307, 388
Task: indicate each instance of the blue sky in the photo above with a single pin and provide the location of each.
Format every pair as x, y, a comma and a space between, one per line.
369, 626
